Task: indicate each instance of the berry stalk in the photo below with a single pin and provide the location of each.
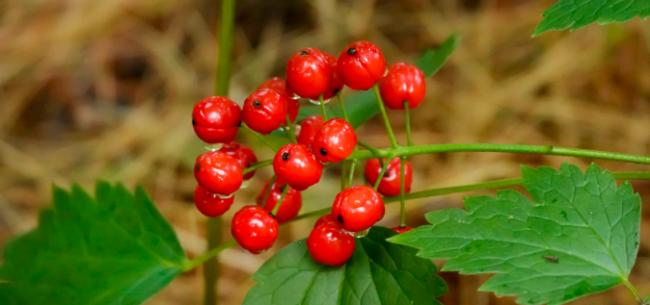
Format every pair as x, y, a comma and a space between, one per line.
384, 167
384, 116
322, 107
402, 205
407, 123
276, 208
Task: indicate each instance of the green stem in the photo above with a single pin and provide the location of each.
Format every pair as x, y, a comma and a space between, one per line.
506, 148
276, 208
368, 147
489, 185
633, 291
257, 165
222, 86
351, 173
402, 205
384, 167
323, 111
291, 129
342, 105
384, 116
407, 122
268, 190
210, 254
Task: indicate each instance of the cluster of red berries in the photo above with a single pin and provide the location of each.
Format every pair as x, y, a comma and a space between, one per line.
310, 74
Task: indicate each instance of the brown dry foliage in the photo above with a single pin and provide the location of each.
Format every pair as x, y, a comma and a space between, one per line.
103, 90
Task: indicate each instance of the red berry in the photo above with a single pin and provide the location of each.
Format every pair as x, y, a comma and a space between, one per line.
216, 119
400, 229
290, 205
358, 208
403, 83
218, 172
309, 73
244, 155
278, 84
296, 165
390, 183
335, 84
254, 228
211, 204
309, 127
335, 141
265, 110
361, 65
329, 244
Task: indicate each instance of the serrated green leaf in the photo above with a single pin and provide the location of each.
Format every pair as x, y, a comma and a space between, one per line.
574, 14
577, 236
112, 249
377, 273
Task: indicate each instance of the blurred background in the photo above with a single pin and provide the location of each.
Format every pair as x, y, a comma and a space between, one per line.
104, 89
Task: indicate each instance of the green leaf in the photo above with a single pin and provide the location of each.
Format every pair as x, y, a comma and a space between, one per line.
112, 249
578, 235
377, 273
574, 14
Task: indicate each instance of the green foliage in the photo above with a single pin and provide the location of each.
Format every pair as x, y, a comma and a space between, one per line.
579, 235
378, 273
574, 14
114, 249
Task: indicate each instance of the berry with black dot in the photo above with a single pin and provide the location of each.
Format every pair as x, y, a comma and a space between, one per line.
335, 141
297, 166
358, 208
216, 119
278, 84
309, 73
265, 110
309, 127
361, 65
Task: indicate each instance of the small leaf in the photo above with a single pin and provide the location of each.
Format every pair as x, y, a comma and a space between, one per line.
578, 236
378, 273
112, 249
574, 14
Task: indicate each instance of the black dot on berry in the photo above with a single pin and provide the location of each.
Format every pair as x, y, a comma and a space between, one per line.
323, 151
239, 124
257, 103
193, 122
303, 52
339, 218
285, 156
336, 91
197, 167
352, 51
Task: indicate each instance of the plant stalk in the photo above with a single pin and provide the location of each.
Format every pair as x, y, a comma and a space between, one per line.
407, 123
323, 111
222, 86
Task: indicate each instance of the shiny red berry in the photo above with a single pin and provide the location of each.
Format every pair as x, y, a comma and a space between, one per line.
309, 73
309, 127
244, 155
329, 244
390, 183
278, 84
335, 141
361, 65
335, 84
216, 119
211, 204
403, 83
297, 166
400, 229
218, 172
290, 205
358, 208
254, 228
265, 110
